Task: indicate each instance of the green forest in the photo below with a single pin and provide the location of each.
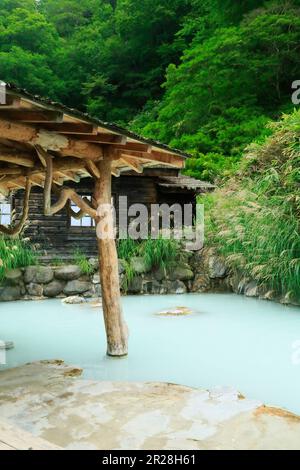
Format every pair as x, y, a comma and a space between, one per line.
210, 77
202, 75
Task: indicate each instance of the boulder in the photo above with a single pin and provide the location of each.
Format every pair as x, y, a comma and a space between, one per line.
10, 293
290, 299
201, 283
13, 276
75, 299
159, 274
151, 287
96, 278
216, 267
97, 290
268, 295
252, 289
94, 263
241, 287
181, 272
138, 265
76, 287
89, 294
54, 288
122, 266
69, 272
135, 286
177, 287
38, 274
36, 290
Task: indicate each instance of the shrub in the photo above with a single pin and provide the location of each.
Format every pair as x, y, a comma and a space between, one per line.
157, 253
82, 261
15, 253
254, 220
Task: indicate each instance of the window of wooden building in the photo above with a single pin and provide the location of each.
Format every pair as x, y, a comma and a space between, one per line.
86, 221
5, 212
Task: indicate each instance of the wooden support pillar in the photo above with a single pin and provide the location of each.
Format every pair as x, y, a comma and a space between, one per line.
116, 328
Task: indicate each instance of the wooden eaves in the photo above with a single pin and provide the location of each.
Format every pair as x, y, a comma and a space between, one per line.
75, 141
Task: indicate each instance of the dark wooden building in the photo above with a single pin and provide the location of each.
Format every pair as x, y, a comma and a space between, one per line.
59, 236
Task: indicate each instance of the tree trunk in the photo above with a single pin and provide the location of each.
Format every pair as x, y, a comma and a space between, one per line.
116, 328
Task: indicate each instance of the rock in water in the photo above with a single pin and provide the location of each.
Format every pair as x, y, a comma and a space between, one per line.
75, 299
175, 312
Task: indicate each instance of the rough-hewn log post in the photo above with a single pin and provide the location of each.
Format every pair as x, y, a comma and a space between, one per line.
116, 328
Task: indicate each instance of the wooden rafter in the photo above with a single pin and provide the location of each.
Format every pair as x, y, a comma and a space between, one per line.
133, 164
16, 230
104, 138
29, 115
18, 158
71, 128
157, 157
92, 169
49, 140
135, 147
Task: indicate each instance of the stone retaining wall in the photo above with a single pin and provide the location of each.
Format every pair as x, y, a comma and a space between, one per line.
203, 271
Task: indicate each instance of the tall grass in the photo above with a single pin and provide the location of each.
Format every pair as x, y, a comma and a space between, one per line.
15, 253
157, 253
82, 261
160, 252
254, 220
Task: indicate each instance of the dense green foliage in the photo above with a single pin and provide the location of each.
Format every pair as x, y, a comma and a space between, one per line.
82, 261
254, 220
202, 75
227, 87
15, 253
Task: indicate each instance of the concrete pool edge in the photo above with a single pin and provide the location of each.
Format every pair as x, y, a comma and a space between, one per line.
51, 401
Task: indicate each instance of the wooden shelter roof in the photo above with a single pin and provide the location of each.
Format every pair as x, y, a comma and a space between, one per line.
174, 183
76, 142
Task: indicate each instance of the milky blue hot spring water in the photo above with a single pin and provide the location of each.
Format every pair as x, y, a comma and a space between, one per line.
228, 340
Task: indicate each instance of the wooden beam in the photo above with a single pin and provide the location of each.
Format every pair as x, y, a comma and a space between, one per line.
104, 138
115, 172
68, 175
133, 164
59, 165
82, 150
18, 158
49, 140
29, 115
16, 131
134, 146
37, 180
10, 171
93, 169
71, 128
167, 159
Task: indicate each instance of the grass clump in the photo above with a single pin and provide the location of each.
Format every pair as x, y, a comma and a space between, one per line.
254, 220
160, 252
15, 253
82, 261
157, 253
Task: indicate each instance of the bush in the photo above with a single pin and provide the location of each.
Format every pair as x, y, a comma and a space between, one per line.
254, 220
82, 261
157, 253
15, 253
